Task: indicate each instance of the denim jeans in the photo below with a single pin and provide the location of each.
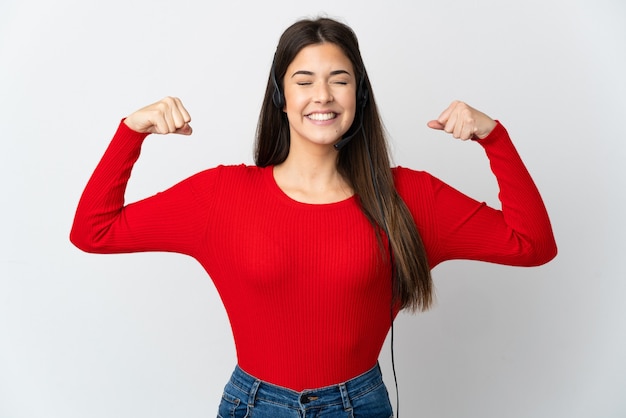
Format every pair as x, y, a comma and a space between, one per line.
364, 396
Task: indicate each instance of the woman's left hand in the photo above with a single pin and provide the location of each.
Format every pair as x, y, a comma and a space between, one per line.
463, 122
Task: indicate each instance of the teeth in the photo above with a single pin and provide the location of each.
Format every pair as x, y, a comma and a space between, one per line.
322, 116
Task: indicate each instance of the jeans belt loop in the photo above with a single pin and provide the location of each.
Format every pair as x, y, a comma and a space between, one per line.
345, 397
253, 391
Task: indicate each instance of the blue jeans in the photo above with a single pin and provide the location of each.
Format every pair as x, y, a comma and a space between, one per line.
364, 396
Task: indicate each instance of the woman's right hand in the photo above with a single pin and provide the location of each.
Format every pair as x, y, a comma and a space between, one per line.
166, 116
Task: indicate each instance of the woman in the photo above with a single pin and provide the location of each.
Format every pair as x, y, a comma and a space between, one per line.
317, 247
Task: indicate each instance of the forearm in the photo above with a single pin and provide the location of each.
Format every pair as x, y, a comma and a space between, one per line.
102, 200
523, 209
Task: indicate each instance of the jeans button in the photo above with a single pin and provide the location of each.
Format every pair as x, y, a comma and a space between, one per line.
305, 399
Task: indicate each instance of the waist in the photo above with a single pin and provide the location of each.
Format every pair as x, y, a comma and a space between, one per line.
253, 388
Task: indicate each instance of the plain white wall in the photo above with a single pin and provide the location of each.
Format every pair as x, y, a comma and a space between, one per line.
145, 335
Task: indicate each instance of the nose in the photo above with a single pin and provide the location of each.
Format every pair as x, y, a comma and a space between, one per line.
323, 93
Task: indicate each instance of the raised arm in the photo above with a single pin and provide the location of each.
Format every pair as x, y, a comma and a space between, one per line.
167, 221
455, 226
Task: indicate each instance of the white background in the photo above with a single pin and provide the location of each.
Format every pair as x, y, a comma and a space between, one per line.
145, 335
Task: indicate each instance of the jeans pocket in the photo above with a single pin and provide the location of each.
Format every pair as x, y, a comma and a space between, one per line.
373, 404
231, 407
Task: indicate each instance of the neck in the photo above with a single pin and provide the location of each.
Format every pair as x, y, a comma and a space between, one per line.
312, 177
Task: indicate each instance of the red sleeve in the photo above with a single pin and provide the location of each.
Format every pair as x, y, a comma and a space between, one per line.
168, 221
455, 226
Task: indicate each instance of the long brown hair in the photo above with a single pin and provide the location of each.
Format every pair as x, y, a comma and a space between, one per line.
363, 161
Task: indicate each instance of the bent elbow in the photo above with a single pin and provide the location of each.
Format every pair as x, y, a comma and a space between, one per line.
542, 252
547, 256
84, 241
81, 241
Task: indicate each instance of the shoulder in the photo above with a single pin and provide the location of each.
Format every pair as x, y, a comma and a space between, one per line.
225, 172
229, 177
406, 177
415, 187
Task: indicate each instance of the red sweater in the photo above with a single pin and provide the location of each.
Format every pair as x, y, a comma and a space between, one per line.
304, 286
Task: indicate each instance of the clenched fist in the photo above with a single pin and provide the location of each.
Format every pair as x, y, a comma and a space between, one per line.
463, 122
167, 116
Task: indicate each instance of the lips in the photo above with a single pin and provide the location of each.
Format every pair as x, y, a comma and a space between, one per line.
322, 116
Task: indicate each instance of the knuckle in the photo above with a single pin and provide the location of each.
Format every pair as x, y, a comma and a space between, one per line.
161, 107
168, 102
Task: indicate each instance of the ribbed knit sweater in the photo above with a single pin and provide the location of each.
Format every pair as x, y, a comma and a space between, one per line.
305, 287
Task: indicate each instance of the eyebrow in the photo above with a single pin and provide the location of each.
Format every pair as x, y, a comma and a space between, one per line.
304, 72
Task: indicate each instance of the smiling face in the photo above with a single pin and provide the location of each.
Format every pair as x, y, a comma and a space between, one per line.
320, 95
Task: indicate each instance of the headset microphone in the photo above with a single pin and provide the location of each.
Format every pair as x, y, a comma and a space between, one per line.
342, 143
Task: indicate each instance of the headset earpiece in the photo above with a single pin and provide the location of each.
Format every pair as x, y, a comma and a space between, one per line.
362, 93
277, 96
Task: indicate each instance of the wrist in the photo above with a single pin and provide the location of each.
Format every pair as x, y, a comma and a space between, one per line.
486, 130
